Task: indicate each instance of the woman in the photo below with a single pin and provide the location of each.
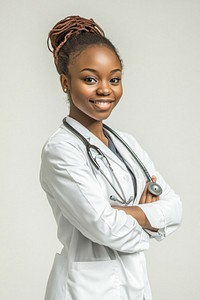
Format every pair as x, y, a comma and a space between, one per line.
105, 216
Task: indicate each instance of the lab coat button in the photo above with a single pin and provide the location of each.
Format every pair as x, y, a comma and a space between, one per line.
126, 177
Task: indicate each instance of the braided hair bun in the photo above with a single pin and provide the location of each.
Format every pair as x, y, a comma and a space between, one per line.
72, 35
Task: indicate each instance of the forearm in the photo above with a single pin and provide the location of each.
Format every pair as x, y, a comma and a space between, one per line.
138, 214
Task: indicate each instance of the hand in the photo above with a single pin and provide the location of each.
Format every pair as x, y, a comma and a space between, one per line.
136, 212
146, 196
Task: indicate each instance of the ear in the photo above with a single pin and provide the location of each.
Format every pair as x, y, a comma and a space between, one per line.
64, 80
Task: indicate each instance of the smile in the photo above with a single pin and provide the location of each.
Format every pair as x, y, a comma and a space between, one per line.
101, 101
102, 104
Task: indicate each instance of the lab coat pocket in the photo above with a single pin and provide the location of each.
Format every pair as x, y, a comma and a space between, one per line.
94, 280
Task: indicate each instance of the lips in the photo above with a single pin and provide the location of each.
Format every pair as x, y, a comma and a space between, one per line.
102, 104
101, 101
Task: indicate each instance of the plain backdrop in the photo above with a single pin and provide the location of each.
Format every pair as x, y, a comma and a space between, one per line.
159, 41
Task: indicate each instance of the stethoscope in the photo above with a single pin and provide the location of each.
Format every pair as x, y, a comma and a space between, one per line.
153, 188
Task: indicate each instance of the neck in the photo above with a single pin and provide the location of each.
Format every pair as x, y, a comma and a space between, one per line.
94, 126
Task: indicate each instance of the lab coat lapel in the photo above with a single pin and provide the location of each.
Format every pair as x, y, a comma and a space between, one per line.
125, 154
107, 152
133, 165
113, 159
92, 139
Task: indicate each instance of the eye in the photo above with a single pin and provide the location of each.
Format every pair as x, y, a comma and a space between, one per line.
90, 80
115, 80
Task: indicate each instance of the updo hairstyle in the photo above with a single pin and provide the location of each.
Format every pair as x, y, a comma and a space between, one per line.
70, 36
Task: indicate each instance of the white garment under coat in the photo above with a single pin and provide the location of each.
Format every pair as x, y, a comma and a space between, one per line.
102, 256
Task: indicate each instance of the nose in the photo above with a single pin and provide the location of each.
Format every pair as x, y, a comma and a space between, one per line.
104, 89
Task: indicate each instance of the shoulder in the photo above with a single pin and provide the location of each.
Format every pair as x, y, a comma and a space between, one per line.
127, 136
62, 144
130, 140
135, 146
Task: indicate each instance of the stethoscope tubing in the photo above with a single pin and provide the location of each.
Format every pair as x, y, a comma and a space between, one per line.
142, 166
153, 187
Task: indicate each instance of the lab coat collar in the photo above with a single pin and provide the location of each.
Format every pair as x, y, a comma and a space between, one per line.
79, 127
95, 141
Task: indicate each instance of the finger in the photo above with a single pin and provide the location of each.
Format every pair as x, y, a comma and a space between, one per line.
149, 197
144, 194
154, 178
155, 198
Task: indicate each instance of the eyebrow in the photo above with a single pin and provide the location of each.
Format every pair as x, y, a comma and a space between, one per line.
95, 71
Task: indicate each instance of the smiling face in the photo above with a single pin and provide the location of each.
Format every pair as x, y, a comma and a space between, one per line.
94, 85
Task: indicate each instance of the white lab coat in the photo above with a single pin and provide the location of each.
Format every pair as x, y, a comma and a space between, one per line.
102, 256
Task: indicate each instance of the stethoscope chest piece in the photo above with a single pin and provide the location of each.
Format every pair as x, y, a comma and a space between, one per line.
155, 189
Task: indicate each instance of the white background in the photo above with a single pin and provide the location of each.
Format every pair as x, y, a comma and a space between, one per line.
159, 42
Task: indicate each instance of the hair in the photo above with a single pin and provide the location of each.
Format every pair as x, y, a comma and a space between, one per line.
72, 35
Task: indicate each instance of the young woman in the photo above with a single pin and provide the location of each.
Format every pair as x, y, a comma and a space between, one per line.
105, 208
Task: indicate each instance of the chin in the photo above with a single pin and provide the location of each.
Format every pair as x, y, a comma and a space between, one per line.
102, 117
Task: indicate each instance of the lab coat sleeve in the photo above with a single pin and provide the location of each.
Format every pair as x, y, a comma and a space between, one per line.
166, 213
68, 177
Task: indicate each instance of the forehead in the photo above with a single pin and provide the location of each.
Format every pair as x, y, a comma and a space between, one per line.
96, 57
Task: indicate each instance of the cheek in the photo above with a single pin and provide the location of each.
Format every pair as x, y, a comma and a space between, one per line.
79, 96
119, 92
79, 90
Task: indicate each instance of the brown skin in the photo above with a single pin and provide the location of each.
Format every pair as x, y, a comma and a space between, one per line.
136, 212
95, 88
95, 75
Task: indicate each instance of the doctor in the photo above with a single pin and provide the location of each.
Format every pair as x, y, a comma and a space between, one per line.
103, 239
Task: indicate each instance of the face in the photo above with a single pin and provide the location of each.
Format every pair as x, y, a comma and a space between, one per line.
94, 85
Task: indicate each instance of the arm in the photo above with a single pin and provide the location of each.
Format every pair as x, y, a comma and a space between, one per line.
164, 215
68, 180
137, 213
159, 217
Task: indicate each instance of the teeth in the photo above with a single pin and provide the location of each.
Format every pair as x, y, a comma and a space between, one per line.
101, 102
